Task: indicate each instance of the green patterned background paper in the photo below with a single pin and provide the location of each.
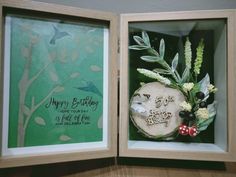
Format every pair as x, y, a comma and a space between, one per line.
56, 82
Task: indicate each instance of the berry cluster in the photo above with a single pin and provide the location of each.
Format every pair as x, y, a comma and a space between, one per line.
189, 117
185, 130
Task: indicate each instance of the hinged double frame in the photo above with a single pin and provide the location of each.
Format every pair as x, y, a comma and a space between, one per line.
69, 45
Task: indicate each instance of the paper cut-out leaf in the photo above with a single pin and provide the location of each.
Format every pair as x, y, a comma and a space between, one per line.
59, 89
185, 76
212, 109
139, 40
175, 62
74, 75
204, 85
150, 58
161, 71
146, 39
65, 138
162, 48
40, 121
95, 68
138, 47
204, 123
53, 76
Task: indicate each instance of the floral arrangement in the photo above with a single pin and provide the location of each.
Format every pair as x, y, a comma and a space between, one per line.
195, 111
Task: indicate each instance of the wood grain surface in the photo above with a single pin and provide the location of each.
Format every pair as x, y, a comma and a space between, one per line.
127, 167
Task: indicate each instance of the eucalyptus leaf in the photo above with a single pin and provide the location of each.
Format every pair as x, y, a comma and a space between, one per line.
185, 76
139, 40
162, 48
146, 38
175, 62
150, 58
204, 85
161, 71
212, 109
138, 47
202, 125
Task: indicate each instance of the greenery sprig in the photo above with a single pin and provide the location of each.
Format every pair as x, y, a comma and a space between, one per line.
194, 110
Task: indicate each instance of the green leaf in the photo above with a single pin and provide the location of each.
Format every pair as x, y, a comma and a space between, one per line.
139, 40
150, 58
95, 68
195, 89
74, 75
59, 89
175, 62
161, 71
40, 121
146, 39
212, 109
204, 85
64, 138
185, 75
203, 124
162, 48
138, 47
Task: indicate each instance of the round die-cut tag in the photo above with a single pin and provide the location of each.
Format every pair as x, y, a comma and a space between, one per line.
154, 110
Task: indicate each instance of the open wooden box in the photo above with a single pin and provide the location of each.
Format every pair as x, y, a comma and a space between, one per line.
223, 73
220, 23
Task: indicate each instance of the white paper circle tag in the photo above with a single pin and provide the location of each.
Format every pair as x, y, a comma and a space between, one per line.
154, 110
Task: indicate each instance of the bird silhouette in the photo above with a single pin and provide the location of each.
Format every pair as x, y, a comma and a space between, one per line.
57, 35
90, 87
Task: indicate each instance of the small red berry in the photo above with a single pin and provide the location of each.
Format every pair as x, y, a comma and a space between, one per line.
183, 130
193, 131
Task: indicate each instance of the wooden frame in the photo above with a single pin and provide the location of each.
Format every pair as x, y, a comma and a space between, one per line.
224, 148
67, 12
174, 150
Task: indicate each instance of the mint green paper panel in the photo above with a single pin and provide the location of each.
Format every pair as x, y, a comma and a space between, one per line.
56, 82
